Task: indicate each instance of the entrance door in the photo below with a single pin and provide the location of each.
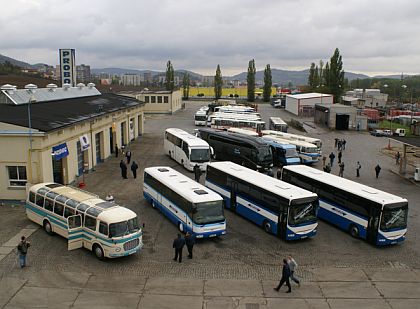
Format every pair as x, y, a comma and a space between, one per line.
233, 191
372, 230
123, 133
98, 147
75, 232
80, 159
342, 121
111, 141
58, 171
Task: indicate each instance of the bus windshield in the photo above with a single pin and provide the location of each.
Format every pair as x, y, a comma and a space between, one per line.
200, 118
264, 154
208, 212
200, 155
395, 218
302, 213
291, 153
124, 228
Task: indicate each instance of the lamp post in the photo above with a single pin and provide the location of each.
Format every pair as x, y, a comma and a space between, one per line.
30, 88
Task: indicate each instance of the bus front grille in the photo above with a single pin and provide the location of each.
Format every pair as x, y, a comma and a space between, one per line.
131, 244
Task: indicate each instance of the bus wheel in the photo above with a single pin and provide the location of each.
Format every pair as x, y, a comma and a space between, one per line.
267, 226
153, 204
180, 227
48, 227
354, 231
99, 253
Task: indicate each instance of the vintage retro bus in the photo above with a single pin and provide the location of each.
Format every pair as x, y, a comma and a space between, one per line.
188, 204
364, 212
85, 220
280, 208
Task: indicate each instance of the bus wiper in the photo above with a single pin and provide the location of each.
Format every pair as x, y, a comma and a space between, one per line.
303, 212
394, 218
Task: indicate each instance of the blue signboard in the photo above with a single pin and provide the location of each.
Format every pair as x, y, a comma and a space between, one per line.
60, 151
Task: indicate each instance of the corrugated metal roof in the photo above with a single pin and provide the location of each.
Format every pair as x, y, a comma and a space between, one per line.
22, 96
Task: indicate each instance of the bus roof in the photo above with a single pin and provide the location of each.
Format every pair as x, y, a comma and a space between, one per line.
253, 140
102, 210
356, 188
183, 185
201, 112
263, 181
243, 131
290, 135
193, 141
288, 141
281, 143
253, 116
277, 120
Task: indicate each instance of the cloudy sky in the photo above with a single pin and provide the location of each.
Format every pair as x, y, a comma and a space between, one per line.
374, 36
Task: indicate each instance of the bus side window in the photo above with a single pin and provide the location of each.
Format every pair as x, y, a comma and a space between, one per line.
68, 212
90, 223
49, 205
103, 228
58, 209
40, 200
74, 222
185, 149
81, 214
32, 197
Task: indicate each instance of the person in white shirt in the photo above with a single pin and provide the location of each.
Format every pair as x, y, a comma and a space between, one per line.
293, 265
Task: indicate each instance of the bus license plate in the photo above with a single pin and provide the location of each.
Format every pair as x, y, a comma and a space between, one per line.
212, 235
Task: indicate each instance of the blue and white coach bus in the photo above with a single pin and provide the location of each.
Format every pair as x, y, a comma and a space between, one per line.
280, 208
85, 220
188, 204
365, 212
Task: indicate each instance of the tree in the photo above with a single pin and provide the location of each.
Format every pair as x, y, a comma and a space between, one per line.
311, 77
326, 75
336, 75
267, 84
169, 79
186, 86
218, 83
251, 80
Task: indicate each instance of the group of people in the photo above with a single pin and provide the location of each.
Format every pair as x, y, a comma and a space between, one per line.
340, 144
124, 166
288, 272
180, 242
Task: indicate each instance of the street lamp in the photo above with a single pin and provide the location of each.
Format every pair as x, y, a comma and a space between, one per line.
30, 89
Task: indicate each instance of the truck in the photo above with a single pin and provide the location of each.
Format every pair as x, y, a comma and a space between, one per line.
399, 132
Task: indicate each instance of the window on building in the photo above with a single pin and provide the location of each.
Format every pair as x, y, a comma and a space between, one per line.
147, 99
153, 99
17, 176
165, 99
159, 99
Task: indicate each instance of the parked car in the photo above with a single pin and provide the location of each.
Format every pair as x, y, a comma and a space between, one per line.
377, 132
387, 133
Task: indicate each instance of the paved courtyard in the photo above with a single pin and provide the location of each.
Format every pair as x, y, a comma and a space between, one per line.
235, 271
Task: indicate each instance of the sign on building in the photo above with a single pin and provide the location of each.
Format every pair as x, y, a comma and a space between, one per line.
60, 151
84, 142
68, 67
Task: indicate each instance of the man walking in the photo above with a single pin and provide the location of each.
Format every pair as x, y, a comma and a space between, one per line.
293, 265
341, 172
335, 142
397, 158
116, 150
327, 168
128, 156
134, 168
332, 157
197, 173
190, 241
23, 250
123, 168
358, 167
340, 155
178, 244
377, 170
285, 277
343, 144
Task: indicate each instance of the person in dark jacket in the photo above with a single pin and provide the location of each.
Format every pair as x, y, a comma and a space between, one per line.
178, 244
116, 150
190, 241
332, 157
197, 173
123, 168
128, 156
340, 155
134, 168
377, 170
23, 250
285, 277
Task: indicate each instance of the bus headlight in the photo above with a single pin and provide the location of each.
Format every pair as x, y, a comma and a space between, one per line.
117, 249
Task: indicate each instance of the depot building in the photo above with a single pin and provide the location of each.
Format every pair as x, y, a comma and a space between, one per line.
56, 134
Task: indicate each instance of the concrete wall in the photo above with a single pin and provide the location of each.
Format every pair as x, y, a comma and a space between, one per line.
174, 102
295, 105
15, 148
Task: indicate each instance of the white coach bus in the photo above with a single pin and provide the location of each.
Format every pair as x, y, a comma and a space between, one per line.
85, 220
186, 149
188, 204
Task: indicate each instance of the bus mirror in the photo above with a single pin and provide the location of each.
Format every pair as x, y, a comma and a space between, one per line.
211, 152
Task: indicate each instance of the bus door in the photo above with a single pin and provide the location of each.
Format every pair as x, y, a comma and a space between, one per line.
373, 225
75, 232
282, 224
233, 191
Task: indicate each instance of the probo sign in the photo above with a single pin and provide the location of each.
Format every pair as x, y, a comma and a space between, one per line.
68, 66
